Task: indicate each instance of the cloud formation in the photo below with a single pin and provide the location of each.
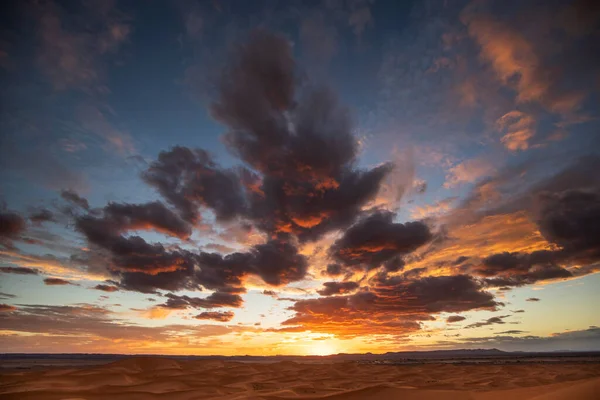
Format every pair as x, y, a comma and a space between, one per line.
455, 318
11, 226
392, 305
331, 288
220, 316
301, 206
19, 270
56, 282
376, 239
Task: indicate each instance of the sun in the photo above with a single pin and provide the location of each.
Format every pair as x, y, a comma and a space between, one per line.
322, 348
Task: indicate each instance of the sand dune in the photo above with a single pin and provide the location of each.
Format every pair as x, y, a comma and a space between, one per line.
159, 378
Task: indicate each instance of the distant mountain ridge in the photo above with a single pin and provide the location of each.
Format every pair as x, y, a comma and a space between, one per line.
391, 356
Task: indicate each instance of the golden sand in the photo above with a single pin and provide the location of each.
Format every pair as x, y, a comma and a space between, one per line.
160, 378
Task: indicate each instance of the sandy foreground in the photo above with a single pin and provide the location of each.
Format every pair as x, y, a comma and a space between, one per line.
159, 378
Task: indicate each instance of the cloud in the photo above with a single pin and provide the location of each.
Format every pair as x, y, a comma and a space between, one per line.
221, 316
432, 210
511, 332
5, 296
468, 171
214, 300
319, 38
19, 270
577, 340
517, 269
106, 288
333, 270
533, 299
141, 266
73, 198
571, 219
300, 143
518, 129
12, 225
74, 53
567, 219
123, 217
455, 318
276, 262
359, 19
392, 305
489, 321
331, 288
56, 282
301, 183
189, 179
100, 327
520, 57
96, 120
40, 216
376, 239
504, 225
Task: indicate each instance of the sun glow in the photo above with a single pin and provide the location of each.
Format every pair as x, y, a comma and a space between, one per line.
322, 348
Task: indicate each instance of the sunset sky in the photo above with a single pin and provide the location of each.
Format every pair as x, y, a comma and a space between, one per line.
299, 177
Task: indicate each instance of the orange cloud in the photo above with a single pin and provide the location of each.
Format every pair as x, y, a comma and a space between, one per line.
518, 127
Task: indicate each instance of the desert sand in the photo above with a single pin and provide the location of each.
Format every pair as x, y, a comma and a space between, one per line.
161, 378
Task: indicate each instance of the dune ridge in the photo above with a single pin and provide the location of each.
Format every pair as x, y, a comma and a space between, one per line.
161, 378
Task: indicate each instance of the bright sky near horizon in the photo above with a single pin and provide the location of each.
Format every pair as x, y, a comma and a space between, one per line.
299, 177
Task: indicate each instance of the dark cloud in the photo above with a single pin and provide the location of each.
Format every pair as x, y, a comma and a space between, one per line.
394, 264
179, 278
517, 269
511, 332
392, 305
276, 262
518, 311
19, 270
455, 318
533, 299
145, 267
12, 225
106, 288
489, 321
377, 239
214, 300
56, 282
460, 260
73, 198
331, 288
5, 296
190, 179
333, 270
141, 266
302, 182
571, 220
118, 218
301, 143
566, 208
40, 216
221, 316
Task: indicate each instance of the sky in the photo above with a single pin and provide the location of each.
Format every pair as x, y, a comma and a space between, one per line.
299, 177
